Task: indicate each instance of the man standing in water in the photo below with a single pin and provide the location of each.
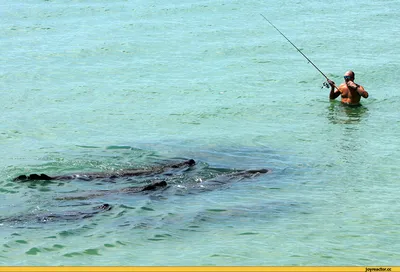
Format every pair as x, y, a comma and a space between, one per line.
350, 91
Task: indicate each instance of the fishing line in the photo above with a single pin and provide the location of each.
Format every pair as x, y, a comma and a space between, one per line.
296, 48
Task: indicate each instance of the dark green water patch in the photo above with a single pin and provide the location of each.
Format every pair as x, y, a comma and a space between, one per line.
120, 214
109, 245
121, 243
72, 254
216, 210
147, 209
74, 232
249, 233
92, 251
326, 257
39, 183
127, 207
87, 146
2, 190
218, 255
55, 247
44, 189
162, 235
113, 147
33, 251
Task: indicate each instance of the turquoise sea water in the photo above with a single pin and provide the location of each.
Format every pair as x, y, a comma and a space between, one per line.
100, 86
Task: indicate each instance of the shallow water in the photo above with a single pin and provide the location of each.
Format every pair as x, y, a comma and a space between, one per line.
104, 86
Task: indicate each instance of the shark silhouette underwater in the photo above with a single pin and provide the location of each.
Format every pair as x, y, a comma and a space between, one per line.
158, 182
51, 216
167, 169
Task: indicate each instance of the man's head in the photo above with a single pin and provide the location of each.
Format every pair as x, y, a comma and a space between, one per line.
349, 75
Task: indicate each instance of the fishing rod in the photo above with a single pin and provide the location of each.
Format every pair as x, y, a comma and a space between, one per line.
297, 49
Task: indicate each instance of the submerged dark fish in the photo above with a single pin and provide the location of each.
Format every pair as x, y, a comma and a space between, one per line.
49, 217
206, 185
160, 181
130, 190
168, 169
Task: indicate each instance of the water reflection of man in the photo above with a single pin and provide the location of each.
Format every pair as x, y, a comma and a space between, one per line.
351, 92
342, 114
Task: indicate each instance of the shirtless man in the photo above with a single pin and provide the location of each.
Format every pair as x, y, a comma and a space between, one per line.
350, 91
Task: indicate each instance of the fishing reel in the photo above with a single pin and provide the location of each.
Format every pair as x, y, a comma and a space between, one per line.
326, 85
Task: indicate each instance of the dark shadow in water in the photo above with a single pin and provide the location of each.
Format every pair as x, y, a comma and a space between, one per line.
51, 216
177, 179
